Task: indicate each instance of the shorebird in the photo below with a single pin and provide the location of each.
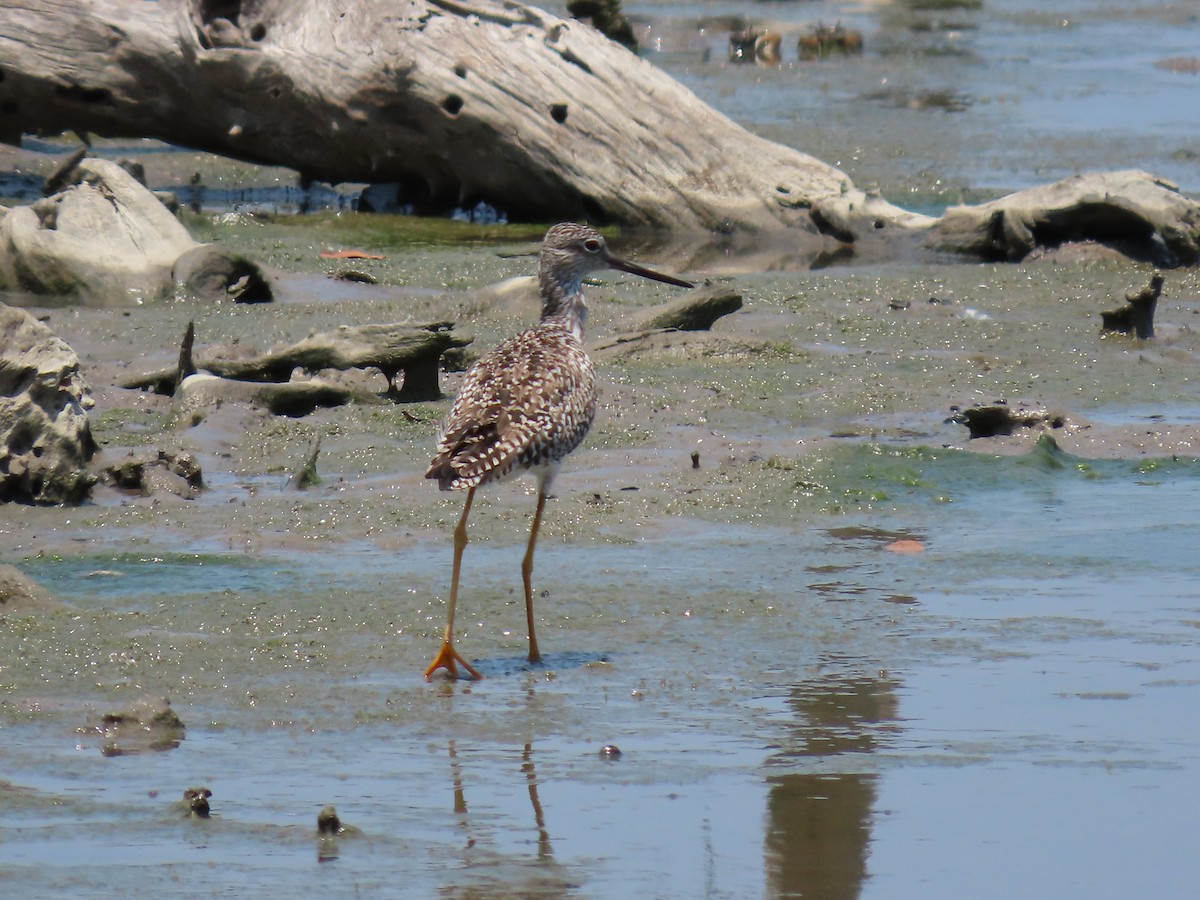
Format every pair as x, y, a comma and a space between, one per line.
525, 405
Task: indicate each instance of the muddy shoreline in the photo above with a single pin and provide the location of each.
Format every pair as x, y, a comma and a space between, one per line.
739, 629
814, 362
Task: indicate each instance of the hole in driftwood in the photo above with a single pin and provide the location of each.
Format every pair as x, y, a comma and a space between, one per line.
460, 70
558, 112
219, 9
592, 210
452, 104
84, 95
258, 32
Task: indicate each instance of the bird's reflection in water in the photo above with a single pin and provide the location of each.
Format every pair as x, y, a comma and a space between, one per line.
488, 868
460, 797
819, 823
544, 851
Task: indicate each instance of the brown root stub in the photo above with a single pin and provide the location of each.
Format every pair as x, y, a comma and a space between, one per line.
328, 821
822, 40
1138, 315
187, 363
1002, 419
195, 801
754, 45
607, 18
306, 475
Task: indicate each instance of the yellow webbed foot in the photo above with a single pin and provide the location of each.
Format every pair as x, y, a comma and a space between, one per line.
448, 658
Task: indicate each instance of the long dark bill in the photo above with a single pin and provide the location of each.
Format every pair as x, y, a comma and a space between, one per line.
646, 273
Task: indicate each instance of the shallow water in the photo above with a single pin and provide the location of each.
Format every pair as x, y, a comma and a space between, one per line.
801, 709
952, 101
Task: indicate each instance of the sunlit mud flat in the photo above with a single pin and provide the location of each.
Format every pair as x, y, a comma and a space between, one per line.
847, 651
803, 707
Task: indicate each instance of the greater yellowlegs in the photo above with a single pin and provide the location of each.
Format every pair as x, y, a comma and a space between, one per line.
525, 405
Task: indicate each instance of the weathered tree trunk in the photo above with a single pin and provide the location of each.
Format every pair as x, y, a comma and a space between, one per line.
462, 99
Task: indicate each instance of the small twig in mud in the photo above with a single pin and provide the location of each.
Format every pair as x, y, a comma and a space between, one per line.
187, 365
306, 476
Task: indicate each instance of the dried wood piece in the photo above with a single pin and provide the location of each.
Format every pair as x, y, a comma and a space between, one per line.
694, 311
414, 350
287, 398
1141, 216
457, 100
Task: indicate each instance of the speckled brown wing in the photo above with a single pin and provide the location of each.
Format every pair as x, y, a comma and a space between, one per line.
527, 403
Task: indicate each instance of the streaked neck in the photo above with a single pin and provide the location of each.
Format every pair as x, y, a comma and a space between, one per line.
563, 302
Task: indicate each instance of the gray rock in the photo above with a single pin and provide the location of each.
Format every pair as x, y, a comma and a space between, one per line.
208, 272
45, 433
104, 238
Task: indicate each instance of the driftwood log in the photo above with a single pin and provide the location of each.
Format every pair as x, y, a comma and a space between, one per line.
467, 100
688, 318
1142, 216
459, 100
204, 391
414, 350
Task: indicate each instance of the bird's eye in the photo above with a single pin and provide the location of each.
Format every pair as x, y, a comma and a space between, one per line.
591, 245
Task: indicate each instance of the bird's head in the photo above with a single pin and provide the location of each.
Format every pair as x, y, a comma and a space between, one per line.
570, 252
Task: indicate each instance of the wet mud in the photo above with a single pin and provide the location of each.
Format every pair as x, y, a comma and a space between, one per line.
841, 647
753, 579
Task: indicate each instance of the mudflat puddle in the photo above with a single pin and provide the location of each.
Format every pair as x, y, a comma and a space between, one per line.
803, 708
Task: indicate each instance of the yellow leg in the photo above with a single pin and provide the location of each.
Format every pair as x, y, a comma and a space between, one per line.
527, 575
447, 656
